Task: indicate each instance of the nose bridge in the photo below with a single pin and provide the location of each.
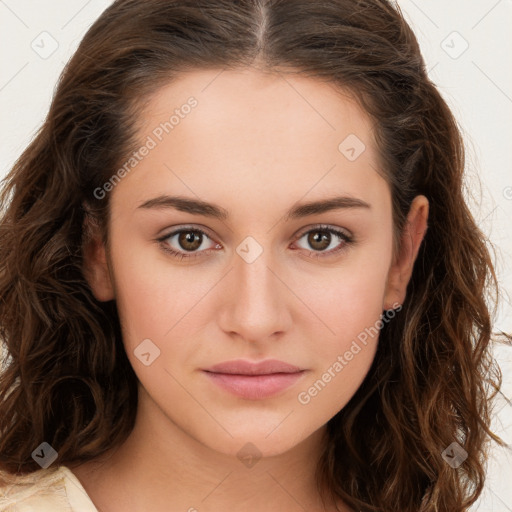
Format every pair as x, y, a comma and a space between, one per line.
257, 307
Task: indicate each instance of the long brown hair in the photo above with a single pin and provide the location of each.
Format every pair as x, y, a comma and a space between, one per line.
66, 378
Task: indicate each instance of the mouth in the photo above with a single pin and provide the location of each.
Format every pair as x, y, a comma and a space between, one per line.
254, 380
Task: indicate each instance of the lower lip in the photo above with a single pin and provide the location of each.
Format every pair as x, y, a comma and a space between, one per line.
255, 387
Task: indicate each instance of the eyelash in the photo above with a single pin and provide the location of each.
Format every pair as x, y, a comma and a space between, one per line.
347, 240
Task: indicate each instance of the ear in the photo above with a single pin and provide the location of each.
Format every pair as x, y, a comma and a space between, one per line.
401, 269
95, 262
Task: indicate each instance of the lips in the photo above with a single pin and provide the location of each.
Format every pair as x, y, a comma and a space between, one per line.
254, 380
241, 367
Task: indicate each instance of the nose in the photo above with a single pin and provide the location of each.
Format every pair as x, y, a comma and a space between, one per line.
255, 302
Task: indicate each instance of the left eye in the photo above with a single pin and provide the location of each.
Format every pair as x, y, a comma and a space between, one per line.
322, 238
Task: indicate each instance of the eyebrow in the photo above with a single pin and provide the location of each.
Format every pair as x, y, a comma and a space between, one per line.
198, 207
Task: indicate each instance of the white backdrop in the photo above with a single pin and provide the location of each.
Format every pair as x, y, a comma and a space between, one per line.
467, 46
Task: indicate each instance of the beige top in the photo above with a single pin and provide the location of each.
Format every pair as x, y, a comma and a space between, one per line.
55, 489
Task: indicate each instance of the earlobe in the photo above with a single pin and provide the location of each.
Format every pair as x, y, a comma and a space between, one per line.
95, 263
401, 270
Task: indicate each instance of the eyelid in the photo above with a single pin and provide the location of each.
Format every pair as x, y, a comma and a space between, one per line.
326, 227
173, 230
342, 233
302, 232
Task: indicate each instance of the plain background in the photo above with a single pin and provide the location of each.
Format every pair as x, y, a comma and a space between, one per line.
466, 45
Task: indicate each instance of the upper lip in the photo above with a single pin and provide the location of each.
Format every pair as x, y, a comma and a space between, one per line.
242, 367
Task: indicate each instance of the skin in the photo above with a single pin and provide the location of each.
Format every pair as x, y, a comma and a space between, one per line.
257, 144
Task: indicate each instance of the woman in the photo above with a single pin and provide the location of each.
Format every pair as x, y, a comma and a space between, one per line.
218, 286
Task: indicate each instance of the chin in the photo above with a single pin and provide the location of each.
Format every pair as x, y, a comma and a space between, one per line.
252, 442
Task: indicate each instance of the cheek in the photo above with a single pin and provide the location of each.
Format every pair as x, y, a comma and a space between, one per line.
349, 297
349, 303
343, 354
337, 380
170, 306
154, 300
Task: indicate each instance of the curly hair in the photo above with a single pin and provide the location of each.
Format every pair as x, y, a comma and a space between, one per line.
66, 378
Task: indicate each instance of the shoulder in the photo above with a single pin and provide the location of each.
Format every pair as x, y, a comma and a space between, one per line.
41, 491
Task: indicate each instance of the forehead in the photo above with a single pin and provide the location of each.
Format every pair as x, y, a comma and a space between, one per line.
248, 102
251, 133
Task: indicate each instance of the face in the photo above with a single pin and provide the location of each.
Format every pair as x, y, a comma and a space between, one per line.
253, 227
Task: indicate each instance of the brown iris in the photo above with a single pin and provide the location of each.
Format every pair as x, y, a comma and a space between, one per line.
319, 240
190, 240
